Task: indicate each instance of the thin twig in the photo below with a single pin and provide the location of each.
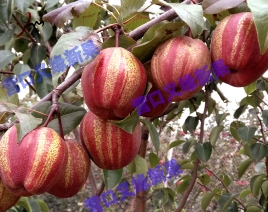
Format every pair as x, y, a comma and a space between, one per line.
262, 131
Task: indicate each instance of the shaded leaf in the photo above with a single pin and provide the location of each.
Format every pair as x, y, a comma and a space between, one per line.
123, 41
240, 110
23, 202
258, 152
153, 133
153, 159
37, 54
191, 123
112, 178
246, 133
51, 3
264, 188
5, 57
234, 127
243, 166
221, 117
214, 135
6, 9
138, 166
34, 205
47, 31
135, 21
217, 6
186, 147
61, 15
67, 112
226, 179
265, 117
259, 9
184, 185
203, 151
256, 184
225, 200
43, 205
254, 209
145, 49
207, 197
7, 35
205, 179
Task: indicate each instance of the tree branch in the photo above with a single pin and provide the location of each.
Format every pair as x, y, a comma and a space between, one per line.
197, 161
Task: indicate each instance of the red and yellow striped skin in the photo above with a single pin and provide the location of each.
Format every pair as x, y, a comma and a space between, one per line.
109, 146
160, 108
111, 81
7, 199
35, 164
177, 57
76, 172
235, 42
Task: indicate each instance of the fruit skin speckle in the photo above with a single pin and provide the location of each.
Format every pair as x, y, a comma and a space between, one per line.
35, 164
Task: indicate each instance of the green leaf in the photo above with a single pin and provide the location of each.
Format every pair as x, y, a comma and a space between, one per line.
153, 133
6, 9
88, 18
250, 88
258, 152
23, 202
205, 179
51, 3
217, 6
264, 188
243, 166
211, 105
221, 117
240, 110
4, 98
191, 123
129, 123
43, 84
226, 179
20, 69
184, 185
246, 133
254, 209
145, 49
76, 38
124, 41
7, 35
186, 147
214, 135
5, 57
135, 20
37, 54
112, 177
203, 151
159, 193
43, 205
207, 197
175, 143
259, 9
234, 127
128, 7
265, 117
153, 159
244, 193
138, 166
21, 45
71, 116
34, 205
225, 200
191, 14
233, 207
46, 31
27, 123
256, 186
